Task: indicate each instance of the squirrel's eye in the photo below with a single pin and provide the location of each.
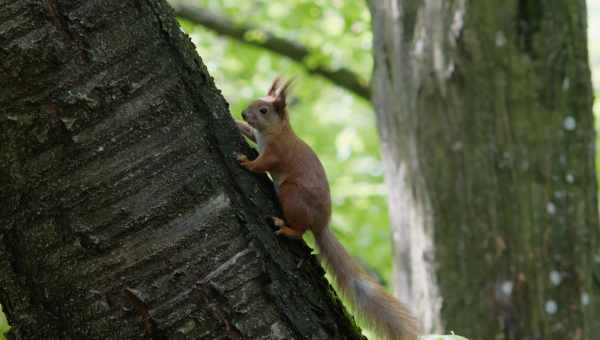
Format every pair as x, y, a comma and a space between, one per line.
263, 110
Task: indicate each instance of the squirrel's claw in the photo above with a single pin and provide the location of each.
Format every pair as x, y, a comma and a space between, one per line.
276, 221
240, 157
244, 161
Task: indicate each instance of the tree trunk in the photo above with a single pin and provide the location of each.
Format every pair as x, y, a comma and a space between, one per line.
485, 116
123, 210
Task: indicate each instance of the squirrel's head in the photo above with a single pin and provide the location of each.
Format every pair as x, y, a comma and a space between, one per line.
270, 112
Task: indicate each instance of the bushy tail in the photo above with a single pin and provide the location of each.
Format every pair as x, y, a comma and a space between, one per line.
385, 315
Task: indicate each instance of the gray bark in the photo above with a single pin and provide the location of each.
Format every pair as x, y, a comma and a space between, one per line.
485, 115
123, 213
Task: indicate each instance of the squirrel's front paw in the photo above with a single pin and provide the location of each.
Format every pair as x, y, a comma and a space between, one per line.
240, 157
243, 160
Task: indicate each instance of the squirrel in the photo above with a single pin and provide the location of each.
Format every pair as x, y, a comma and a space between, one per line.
303, 192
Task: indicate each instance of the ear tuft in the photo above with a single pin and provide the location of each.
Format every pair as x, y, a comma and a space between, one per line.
280, 93
274, 86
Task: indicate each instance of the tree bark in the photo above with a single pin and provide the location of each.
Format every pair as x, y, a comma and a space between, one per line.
123, 212
485, 116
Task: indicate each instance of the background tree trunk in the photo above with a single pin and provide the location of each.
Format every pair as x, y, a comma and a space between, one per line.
485, 117
122, 208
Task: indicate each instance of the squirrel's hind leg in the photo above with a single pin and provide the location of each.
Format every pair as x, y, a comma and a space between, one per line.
285, 230
290, 232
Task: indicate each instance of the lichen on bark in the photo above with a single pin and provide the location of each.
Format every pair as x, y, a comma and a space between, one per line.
485, 115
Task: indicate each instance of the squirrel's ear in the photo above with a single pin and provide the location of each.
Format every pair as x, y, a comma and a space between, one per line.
280, 102
274, 86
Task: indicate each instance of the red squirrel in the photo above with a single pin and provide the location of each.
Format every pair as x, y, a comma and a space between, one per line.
303, 192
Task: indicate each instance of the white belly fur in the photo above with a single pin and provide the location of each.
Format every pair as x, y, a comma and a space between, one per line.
260, 142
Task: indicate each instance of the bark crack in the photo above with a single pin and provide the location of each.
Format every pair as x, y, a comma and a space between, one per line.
150, 327
59, 21
62, 25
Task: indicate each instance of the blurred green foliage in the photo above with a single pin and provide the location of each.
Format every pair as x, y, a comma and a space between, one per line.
3, 324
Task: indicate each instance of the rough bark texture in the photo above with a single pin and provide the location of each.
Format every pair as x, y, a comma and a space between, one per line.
122, 210
485, 116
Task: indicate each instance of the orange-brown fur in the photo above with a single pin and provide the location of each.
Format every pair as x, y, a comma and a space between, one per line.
303, 192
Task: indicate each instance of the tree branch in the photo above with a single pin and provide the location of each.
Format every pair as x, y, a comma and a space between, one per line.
342, 77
